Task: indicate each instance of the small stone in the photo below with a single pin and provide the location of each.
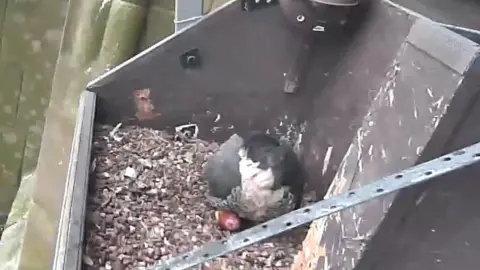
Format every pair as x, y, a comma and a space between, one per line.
141, 185
130, 173
87, 260
152, 191
109, 218
117, 265
145, 163
148, 204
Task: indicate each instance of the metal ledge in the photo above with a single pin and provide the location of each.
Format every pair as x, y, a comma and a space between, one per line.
69, 244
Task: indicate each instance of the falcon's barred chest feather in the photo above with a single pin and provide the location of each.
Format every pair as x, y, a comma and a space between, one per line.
257, 193
262, 192
236, 204
255, 199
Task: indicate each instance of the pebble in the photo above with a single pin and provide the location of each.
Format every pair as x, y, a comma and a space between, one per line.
147, 203
130, 172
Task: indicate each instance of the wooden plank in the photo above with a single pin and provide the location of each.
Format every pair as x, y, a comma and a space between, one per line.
456, 53
400, 127
462, 13
439, 222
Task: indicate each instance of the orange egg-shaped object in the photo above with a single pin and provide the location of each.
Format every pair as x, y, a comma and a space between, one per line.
227, 220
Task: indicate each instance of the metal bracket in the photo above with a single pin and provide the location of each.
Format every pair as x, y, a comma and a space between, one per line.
406, 178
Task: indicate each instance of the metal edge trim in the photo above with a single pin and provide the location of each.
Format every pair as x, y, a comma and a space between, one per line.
68, 249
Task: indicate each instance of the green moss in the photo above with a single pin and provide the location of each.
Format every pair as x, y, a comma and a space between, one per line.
90, 30
159, 23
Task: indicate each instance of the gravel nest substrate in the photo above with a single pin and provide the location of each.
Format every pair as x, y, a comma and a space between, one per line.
147, 202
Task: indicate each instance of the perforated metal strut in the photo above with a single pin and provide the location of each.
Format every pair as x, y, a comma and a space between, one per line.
406, 178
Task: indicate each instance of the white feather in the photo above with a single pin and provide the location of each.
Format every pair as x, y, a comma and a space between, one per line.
257, 194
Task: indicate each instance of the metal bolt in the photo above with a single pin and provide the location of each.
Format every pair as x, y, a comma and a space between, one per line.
300, 18
191, 59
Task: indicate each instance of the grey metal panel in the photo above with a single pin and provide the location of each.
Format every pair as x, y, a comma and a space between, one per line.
446, 46
187, 12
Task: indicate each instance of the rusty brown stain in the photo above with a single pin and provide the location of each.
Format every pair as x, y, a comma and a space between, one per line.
144, 105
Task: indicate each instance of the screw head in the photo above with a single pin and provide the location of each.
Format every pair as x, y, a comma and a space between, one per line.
300, 18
